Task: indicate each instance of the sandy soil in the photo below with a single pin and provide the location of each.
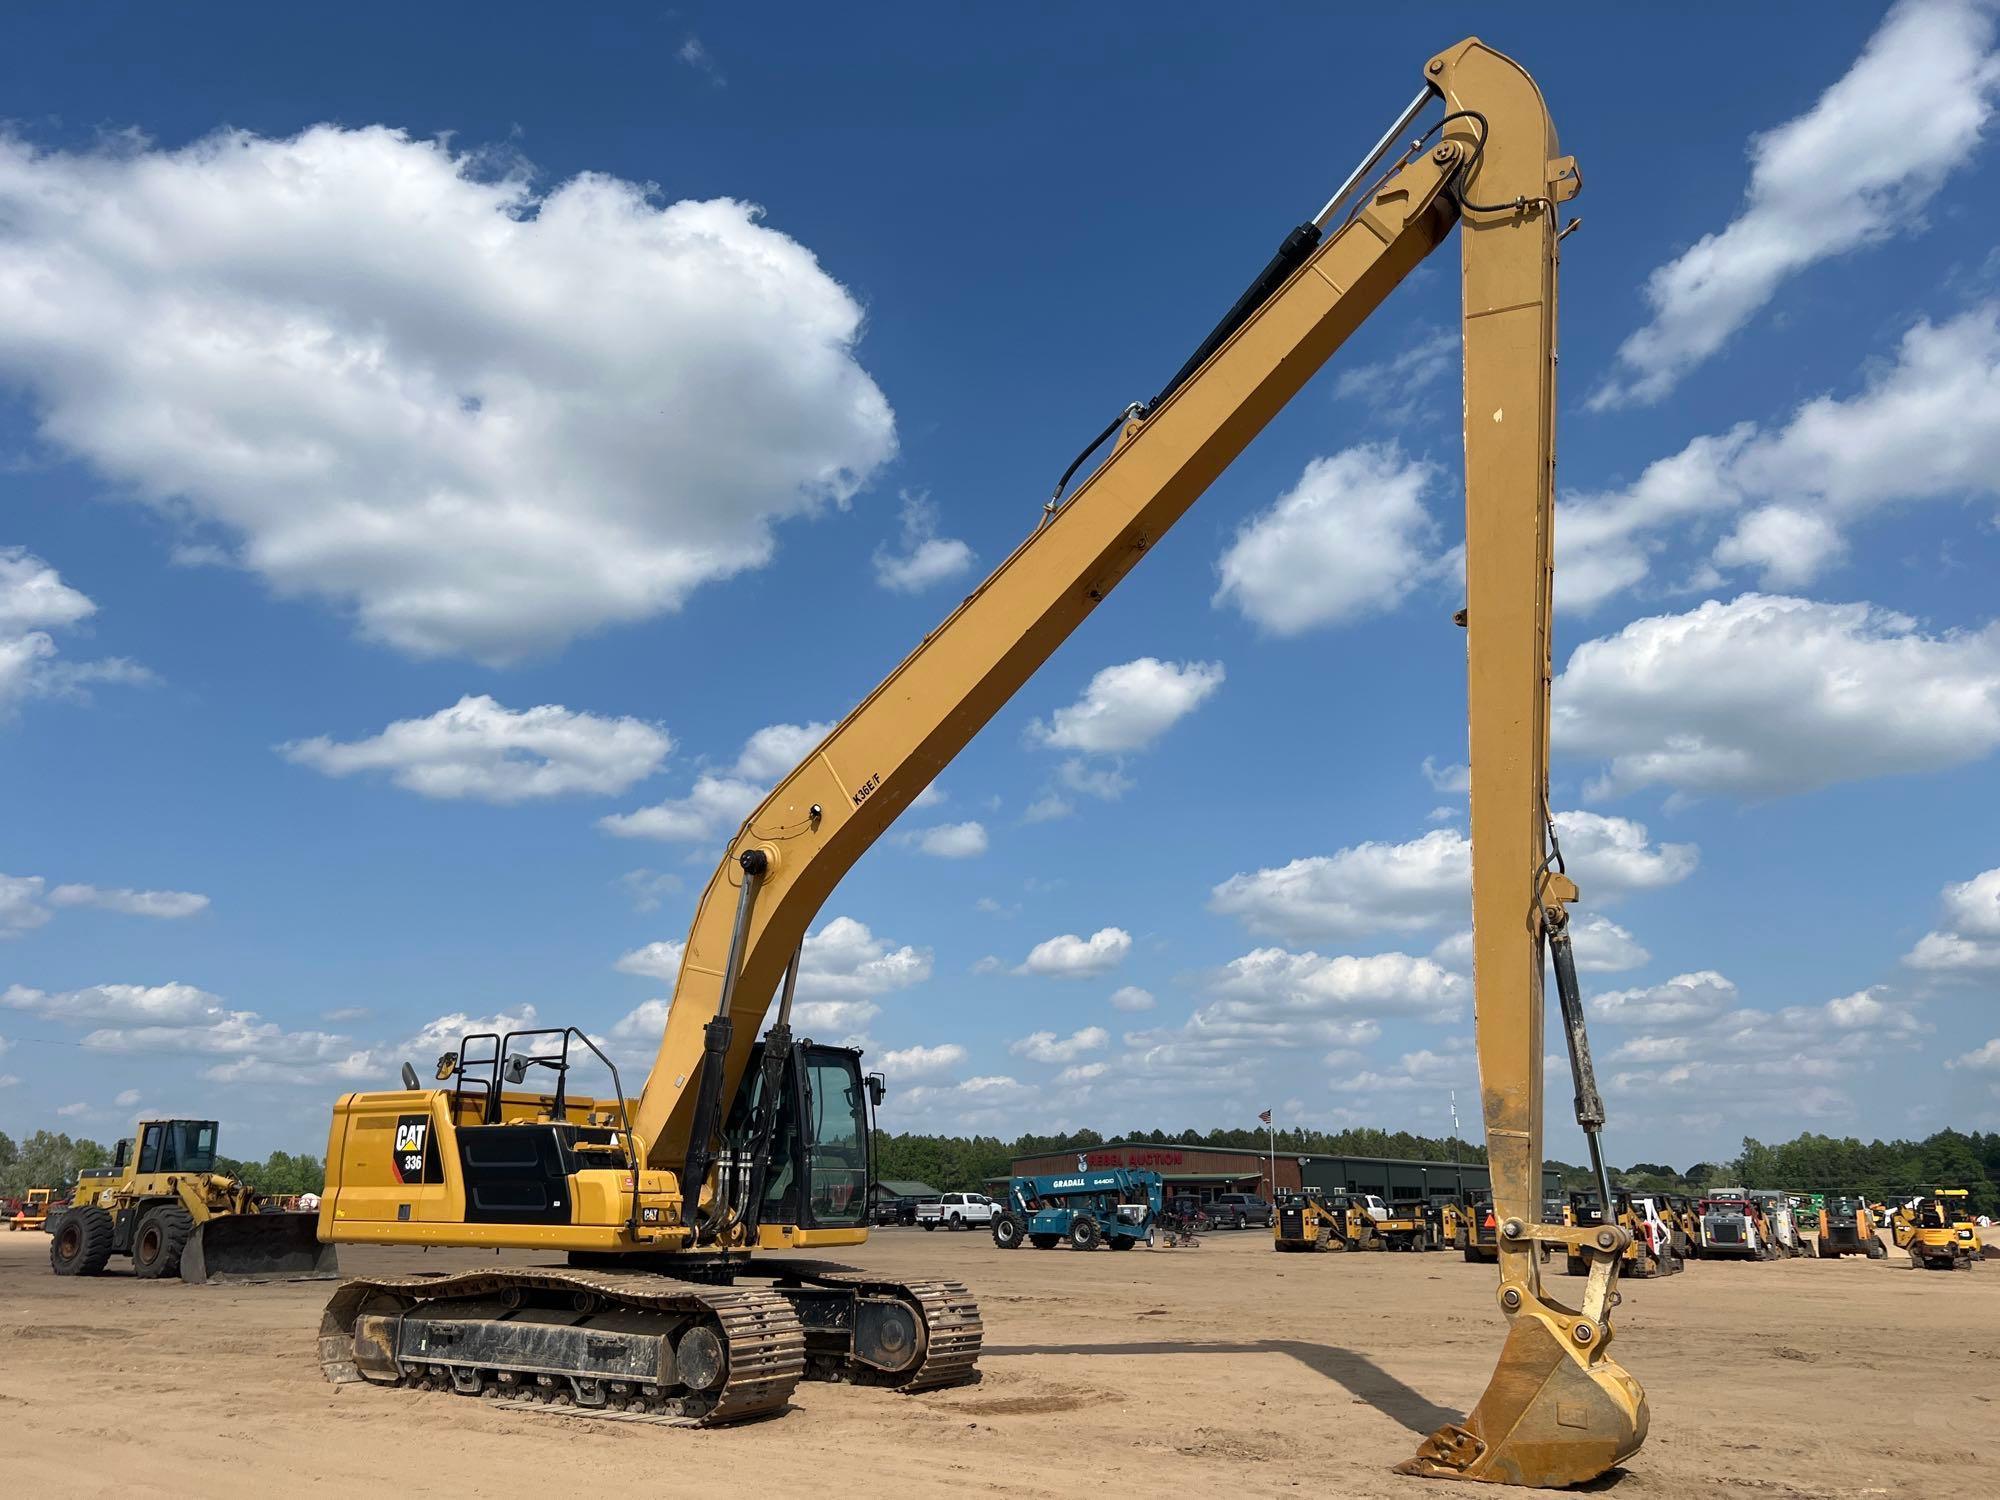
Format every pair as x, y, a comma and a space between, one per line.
1223, 1369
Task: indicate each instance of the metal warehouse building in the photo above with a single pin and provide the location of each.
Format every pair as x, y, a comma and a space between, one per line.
1208, 1170
1401, 1180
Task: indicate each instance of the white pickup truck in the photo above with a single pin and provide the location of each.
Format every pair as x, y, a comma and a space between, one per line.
958, 1211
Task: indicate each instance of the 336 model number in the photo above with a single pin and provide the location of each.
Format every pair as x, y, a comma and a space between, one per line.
867, 788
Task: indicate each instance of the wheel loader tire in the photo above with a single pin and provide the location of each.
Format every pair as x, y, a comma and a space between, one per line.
81, 1245
162, 1236
1083, 1233
1008, 1232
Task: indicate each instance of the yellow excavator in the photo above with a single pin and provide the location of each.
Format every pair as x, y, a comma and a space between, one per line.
665, 1205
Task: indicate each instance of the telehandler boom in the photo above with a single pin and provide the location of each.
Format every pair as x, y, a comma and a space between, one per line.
738, 1143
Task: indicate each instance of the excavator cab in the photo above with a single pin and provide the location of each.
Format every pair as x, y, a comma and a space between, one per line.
814, 1153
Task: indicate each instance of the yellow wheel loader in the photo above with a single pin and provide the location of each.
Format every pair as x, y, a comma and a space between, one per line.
32, 1212
1938, 1231
692, 1216
165, 1206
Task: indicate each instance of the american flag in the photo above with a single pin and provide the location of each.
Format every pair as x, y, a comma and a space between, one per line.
1265, 1117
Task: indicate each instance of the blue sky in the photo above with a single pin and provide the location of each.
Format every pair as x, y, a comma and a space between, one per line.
435, 501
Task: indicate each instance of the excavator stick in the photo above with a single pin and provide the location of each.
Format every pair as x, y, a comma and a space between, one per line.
258, 1247
1557, 1410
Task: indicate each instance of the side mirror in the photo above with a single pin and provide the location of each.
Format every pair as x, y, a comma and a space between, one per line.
877, 1087
447, 1065
517, 1069
410, 1079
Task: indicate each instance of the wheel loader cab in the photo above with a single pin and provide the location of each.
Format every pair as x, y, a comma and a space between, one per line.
176, 1146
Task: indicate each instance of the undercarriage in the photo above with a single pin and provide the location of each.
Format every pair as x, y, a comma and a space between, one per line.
649, 1343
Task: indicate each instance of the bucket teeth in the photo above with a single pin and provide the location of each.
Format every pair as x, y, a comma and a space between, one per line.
1550, 1417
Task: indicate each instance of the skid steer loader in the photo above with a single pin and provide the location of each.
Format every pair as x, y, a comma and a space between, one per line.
1847, 1227
1322, 1221
1938, 1231
166, 1207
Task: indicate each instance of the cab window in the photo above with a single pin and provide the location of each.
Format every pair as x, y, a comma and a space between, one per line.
149, 1148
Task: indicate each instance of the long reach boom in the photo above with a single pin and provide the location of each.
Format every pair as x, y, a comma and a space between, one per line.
1558, 1411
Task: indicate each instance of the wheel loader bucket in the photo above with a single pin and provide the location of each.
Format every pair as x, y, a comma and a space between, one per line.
258, 1247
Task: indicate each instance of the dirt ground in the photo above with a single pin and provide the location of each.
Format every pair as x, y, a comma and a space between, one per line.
1221, 1369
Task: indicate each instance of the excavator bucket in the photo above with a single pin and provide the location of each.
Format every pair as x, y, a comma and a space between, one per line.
258, 1247
1552, 1416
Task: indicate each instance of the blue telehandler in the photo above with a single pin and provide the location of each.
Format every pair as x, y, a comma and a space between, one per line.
1115, 1207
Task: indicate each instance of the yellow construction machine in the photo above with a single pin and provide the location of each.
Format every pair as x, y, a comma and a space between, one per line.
162, 1203
1475, 1232
32, 1212
668, 1206
1648, 1237
1322, 1221
1938, 1231
1847, 1227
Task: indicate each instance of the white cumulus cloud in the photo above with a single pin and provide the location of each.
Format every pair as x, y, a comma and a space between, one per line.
1131, 998
916, 1062
658, 960
1351, 538
481, 750
1374, 888
34, 601
1127, 707
721, 800
1924, 427
176, 1017
372, 369
1047, 1047
952, 840
163, 904
1967, 943
1855, 169
926, 559
1071, 957
1766, 695
1985, 1059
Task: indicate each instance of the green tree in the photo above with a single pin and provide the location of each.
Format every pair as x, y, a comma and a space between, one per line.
49, 1159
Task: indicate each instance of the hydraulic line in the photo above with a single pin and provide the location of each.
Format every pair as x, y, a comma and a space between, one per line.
716, 1037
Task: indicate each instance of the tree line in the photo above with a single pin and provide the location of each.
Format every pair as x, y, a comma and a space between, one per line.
1883, 1171
52, 1160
